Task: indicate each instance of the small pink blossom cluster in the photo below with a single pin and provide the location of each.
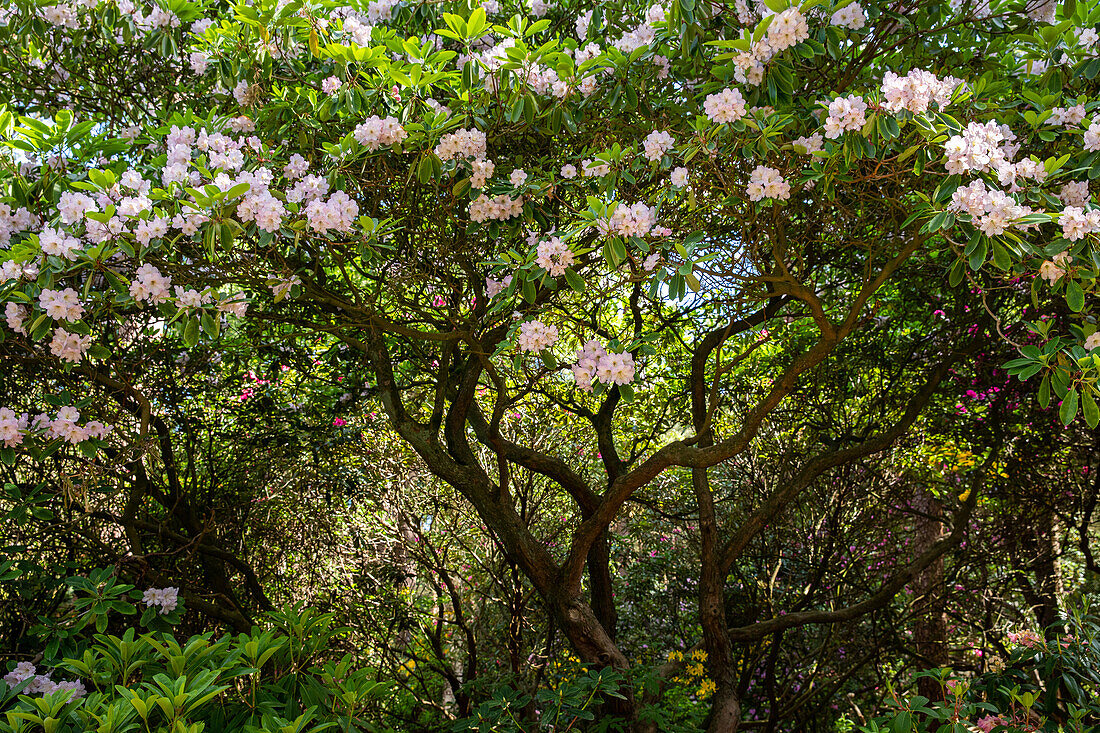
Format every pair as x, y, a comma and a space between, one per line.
916, 91
165, 599
377, 132
1055, 268
15, 221
481, 172
554, 256
235, 305
1008, 173
500, 207
16, 315
982, 147
1092, 137
190, 299
725, 106
494, 287
12, 427
61, 15
809, 145
69, 347
59, 243
641, 36
989, 722
1077, 223
846, 114
41, 684
462, 144
748, 66
307, 189
765, 182
679, 177
656, 144
73, 205
1027, 637
263, 208
296, 167
593, 168
1074, 193
150, 285
594, 362
992, 210
65, 426
534, 336
1042, 11
61, 305
637, 220
850, 16
338, 213
1067, 116
787, 29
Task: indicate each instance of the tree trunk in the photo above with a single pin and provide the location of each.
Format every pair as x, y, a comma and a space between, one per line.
930, 624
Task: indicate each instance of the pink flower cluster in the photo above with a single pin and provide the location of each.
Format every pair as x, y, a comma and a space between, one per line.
61, 305
765, 182
1077, 223
69, 347
916, 91
725, 106
637, 220
846, 114
554, 256
534, 336
993, 211
462, 144
594, 362
41, 684
982, 147
787, 29
656, 144
1027, 638
850, 16
500, 207
150, 285
377, 132
164, 599
338, 213
13, 428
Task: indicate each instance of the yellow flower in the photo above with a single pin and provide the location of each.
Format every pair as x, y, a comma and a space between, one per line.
706, 688
696, 670
675, 657
699, 654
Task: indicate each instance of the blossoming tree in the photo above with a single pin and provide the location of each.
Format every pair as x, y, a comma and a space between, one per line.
495, 207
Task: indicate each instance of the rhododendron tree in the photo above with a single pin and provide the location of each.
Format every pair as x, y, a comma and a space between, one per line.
497, 207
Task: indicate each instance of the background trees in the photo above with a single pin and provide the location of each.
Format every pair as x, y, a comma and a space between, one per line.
669, 352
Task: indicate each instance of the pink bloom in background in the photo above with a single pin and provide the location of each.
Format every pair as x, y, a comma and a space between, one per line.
339, 422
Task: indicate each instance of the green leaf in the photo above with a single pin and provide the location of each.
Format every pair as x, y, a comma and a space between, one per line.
1075, 296
1088, 406
424, 170
191, 332
627, 393
1068, 411
1044, 392
575, 281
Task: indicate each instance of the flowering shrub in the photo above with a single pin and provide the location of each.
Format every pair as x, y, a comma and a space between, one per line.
493, 207
1049, 682
282, 676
